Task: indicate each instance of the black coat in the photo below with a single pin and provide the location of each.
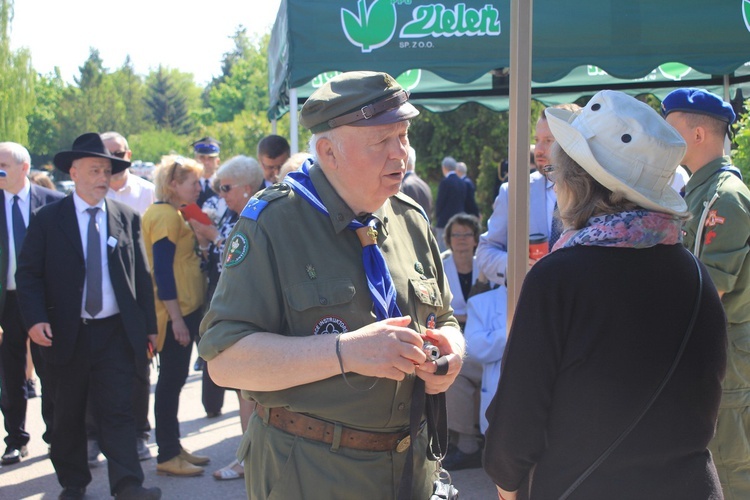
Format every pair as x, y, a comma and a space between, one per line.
52, 272
38, 197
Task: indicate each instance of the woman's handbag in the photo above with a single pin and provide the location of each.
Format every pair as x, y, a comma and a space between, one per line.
663, 383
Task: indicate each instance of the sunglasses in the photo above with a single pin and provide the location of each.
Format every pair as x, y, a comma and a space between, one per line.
225, 188
118, 154
550, 173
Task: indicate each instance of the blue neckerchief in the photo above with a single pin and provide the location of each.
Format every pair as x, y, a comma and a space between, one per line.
379, 280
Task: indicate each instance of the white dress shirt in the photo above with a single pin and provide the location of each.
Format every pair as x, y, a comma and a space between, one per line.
109, 302
24, 203
137, 193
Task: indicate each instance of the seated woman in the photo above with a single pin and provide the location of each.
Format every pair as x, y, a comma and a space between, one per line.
612, 376
461, 238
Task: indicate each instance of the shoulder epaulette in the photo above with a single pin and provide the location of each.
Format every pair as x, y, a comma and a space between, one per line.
409, 201
259, 202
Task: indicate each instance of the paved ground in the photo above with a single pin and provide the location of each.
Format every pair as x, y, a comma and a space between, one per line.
34, 477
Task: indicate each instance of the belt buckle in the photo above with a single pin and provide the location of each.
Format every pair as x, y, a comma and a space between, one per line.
86, 321
403, 444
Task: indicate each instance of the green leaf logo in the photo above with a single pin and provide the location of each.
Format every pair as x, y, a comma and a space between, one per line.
371, 27
746, 13
674, 71
409, 78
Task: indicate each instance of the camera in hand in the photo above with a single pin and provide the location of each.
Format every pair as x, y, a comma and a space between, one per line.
431, 351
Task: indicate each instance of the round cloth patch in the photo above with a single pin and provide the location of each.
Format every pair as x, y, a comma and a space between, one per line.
237, 250
330, 324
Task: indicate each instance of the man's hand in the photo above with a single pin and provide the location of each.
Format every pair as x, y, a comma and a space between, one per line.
41, 333
451, 345
386, 349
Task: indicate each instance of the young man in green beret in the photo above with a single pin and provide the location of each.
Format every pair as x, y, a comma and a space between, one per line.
332, 282
719, 234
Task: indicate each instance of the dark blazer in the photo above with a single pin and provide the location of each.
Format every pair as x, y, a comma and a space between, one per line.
38, 197
205, 194
451, 199
470, 207
419, 190
52, 271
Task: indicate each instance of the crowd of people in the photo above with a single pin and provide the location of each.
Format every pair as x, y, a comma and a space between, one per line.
363, 328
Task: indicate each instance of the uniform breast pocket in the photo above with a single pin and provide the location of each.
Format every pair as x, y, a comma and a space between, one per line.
428, 301
320, 306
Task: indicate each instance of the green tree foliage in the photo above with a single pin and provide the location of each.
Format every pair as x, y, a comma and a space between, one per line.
168, 107
43, 130
17, 79
151, 145
244, 83
132, 91
741, 155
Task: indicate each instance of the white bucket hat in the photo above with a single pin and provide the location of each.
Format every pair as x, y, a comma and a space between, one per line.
625, 146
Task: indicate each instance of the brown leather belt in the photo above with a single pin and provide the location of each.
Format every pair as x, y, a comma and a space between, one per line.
315, 429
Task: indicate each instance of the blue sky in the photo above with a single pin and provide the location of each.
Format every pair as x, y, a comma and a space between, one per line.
173, 33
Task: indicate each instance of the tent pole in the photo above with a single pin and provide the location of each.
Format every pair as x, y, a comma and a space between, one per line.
294, 135
518, 142
727, 97
274, 127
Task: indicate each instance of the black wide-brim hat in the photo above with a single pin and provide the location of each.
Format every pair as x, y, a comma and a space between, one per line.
86, 146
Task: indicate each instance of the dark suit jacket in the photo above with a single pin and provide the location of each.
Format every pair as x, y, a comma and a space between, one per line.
451, 199
205, 194
470, 207
38, 197
419, 190
52, 272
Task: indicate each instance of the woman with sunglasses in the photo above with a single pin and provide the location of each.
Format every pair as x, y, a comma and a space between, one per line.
238, 179
180, 287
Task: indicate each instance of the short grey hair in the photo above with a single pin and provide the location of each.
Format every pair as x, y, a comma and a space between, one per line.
449, 163
461, 168
331, 135
19, 153
115, 135
242, 168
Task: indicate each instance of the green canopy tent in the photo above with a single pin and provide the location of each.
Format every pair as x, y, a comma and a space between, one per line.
471, 50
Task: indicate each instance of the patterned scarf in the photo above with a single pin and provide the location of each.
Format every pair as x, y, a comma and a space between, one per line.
638, 228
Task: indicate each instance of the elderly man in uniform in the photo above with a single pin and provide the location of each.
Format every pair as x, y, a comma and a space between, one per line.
332, 282
719, 235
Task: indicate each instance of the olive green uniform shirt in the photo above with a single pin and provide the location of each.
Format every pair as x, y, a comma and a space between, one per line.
720, 204
302, 275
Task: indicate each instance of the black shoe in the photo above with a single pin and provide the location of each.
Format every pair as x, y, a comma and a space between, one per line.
136, 492
199, 364
72, 493
213, 414
459, 460
14, 455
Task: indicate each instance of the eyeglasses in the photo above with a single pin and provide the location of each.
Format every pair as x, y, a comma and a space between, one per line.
225, 188
119, 154
550, 172
462, 235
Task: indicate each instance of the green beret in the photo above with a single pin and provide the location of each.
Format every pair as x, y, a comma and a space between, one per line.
359, 99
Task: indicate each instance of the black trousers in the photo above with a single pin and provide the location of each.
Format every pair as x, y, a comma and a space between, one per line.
102, 367
212, 395
174, 364
141, 395
13, 396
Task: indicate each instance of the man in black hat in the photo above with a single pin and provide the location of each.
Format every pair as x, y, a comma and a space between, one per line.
87, 298
206, 151
330, 345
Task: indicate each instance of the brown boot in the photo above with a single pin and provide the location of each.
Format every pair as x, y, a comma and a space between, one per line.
178, 466
193, 459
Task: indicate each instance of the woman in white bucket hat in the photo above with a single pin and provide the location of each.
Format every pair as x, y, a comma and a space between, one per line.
610, 385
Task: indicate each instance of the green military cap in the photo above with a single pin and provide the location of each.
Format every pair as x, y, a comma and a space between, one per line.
358, 99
